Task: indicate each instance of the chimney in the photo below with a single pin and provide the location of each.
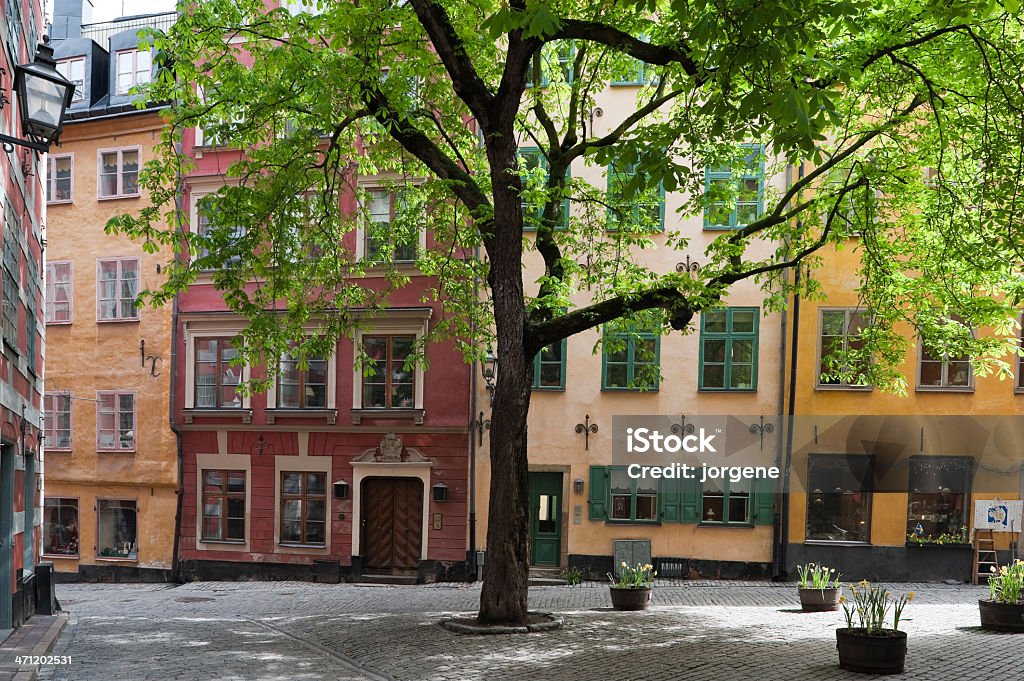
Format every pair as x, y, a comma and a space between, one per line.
68, 17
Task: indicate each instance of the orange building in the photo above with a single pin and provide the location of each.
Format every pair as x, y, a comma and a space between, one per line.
110, 497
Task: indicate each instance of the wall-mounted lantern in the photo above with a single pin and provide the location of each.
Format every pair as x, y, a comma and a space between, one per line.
489, 367
341, 490
439, 492
577, 485
44, 96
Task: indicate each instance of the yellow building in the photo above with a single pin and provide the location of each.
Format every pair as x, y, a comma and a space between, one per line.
110, 497
887, 486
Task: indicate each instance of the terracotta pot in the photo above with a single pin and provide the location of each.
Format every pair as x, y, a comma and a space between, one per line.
819, 600
1001, 616
631, 599
860, 651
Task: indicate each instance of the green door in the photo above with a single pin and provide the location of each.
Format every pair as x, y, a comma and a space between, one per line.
545, 518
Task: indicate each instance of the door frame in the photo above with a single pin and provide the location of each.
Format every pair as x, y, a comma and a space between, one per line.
377, 469
560, 511
362, 529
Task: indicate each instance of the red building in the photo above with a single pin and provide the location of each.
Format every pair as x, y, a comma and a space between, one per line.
23, 173
329, 474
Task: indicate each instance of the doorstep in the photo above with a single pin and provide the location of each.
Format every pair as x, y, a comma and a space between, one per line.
35, 637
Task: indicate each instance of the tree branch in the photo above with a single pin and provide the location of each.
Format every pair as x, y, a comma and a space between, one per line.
660, 55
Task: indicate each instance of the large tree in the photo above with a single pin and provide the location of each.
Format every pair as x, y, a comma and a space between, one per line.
898, 124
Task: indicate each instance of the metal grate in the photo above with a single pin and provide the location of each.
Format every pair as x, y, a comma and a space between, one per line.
101, 31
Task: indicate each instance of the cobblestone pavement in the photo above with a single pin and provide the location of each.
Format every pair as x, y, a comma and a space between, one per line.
699, 631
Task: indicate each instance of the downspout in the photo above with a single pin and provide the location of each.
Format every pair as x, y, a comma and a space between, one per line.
779, 518
474, 424
180, 490
790, 412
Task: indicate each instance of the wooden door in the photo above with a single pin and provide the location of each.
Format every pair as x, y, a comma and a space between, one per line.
392, 523
545, 519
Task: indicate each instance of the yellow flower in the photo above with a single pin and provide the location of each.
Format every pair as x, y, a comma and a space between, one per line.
864, 583
842, 598
910, 597
992, 568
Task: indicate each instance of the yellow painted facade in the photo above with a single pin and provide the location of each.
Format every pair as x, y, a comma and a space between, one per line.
86, 356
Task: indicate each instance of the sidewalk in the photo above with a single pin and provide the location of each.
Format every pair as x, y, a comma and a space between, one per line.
34, 637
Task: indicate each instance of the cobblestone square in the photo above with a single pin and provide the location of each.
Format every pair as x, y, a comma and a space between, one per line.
704, 631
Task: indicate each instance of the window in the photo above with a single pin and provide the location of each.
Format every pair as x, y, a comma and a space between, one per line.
58, 179
31, 332
632, 72
74, 70
299, 388
223, 505
838, 497
11, 276
115, 421
840, 334
134, 67
728, 349
60, 527
549, 367
552, 57
632, 498
630, 361
533, 169
725, 501
634, 207
385, 238
119, 173
57, 420
116, 537
208, 229
296, 7
1020, 364
388, 383
118, 285
939, 501
303, 508
216, 380
735, 194
938, 371
58, 293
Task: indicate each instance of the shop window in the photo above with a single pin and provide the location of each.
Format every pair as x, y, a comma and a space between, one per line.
60, 527
116, 537
839, 497
939, 499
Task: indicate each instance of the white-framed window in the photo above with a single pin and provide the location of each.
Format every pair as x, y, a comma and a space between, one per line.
118, 172
115, 421
389, 231
74, 70
202, 211
57, 420
210, 379
296, 7
939, 371
387, 383
134, 67
309, 388
59, 292
117, 285
59, 178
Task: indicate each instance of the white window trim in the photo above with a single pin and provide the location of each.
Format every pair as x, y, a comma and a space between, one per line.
379, 184
242, 462
304, 464
71, 291
52, 161
120, 171
410, 322
818, 385
117, 422
138, 308
134, 51
71, 422
332, 388
212, 329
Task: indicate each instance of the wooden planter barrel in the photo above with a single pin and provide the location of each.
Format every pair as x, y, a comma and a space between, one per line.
819, 600
631, 599
860, 651
1002, 616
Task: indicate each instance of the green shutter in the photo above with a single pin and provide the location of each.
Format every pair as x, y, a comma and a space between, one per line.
690, 506
598, 501
764, 501
668, 491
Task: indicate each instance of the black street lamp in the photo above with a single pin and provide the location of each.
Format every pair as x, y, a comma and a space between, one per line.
44, 96
487, 368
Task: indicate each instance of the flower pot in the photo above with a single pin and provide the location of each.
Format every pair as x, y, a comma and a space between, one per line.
1001, 616
819, 600
860, 651
631, 599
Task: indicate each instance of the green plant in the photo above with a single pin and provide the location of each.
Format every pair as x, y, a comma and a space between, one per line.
943, 539
639, 577
573, 575
1007, 585
871, 605
814, 576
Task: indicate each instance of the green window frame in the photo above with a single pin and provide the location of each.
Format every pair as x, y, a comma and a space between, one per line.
531, 158
728, 349
641, 210
619, 368
724, 502
549, 367
562, 51
631, 499
749, 192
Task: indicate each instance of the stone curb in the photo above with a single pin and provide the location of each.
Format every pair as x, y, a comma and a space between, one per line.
459, 628
45, 645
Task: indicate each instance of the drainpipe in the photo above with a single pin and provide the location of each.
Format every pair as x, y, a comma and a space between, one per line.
180, 490
473, 425
779, 519
790, 411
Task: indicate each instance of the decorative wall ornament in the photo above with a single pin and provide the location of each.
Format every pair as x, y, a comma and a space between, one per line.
586, 428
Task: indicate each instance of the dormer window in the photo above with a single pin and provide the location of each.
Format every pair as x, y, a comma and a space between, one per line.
134, 67
74, 70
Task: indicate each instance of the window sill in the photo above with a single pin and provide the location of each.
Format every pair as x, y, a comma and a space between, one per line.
944, 389
548, 389
60, 203
845, 388
836, 542
117, 320
232, 542
415, 415
118, 196
331, 415
932, 545
61, 556
67, 323
629, 390
118, 559
58, 450
738, 526
289, 545
623, 521
727, 390
239, 412
114, 450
